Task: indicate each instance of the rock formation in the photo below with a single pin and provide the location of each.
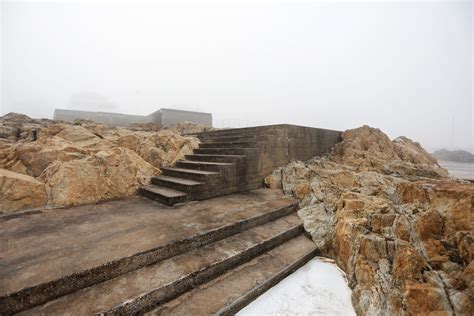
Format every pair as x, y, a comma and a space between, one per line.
47, 162
389, 216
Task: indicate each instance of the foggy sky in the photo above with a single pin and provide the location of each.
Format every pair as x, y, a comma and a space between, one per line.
403, 67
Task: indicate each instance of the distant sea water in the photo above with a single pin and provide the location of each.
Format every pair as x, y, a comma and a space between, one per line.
461, 170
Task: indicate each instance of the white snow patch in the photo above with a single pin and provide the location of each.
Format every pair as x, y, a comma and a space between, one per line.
317, 288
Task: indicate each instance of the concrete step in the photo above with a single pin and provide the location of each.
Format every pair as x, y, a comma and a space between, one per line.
232, 291
224, 151
163, 195
236, 133
204, 165
232, 138
122, 238
179, 184
143, 289
216, 158
191, 174
229, 145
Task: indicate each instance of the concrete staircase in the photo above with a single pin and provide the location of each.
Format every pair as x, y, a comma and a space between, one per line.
237, 160
217, 271
219, 166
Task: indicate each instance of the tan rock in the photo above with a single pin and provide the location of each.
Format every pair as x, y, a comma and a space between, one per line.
160, 149
408, 264
369, 148
18, 191
105, 175
425, 299
86, 162
429, 225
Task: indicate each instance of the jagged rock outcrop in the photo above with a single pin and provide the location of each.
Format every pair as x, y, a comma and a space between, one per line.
370, 149
385, 212
85, 162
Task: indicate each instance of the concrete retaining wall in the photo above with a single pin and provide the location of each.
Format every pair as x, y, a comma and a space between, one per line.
277, 145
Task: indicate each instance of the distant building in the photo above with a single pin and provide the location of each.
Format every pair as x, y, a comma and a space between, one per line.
164, 117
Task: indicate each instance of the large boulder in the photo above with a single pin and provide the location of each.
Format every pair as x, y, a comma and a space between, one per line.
18, 191
161, 149
105, 175
369, 149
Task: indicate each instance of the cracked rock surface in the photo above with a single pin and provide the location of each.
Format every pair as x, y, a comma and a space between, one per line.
59, 163
392, 219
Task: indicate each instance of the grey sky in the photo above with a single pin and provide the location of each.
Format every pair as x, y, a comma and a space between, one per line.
403, 67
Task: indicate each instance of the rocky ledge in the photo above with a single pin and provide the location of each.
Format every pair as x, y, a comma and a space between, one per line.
392, 219
45, 162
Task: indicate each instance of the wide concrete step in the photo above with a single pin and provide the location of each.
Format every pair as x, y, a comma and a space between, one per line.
232, 138
146, 288
236, 133
163, 195
191, 174
204, 165
229, 145
235, 289
216, 158
237, 138
122, 238
178, 184
224, 151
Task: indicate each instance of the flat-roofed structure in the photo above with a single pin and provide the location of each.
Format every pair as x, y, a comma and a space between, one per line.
164, 117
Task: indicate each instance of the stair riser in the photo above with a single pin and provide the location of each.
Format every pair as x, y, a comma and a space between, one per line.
252, 295
160, 198
236, 160
189, 176
42, 293
148, 301
178, 186
223, 151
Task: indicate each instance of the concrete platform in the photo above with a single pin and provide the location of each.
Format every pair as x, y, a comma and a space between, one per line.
49, 253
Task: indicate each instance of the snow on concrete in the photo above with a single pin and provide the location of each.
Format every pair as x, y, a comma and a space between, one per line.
317, 288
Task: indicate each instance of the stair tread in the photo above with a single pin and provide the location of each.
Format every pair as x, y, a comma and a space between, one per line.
227, 148
207, 163
213, 155
228, 142
179, 180
211, 297
163, 191
201, 172
164, 275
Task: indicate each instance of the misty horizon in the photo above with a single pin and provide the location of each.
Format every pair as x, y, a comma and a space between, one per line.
405, 68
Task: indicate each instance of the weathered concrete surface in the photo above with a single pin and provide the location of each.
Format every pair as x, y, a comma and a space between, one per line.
142, 289
45, 245
212, 296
